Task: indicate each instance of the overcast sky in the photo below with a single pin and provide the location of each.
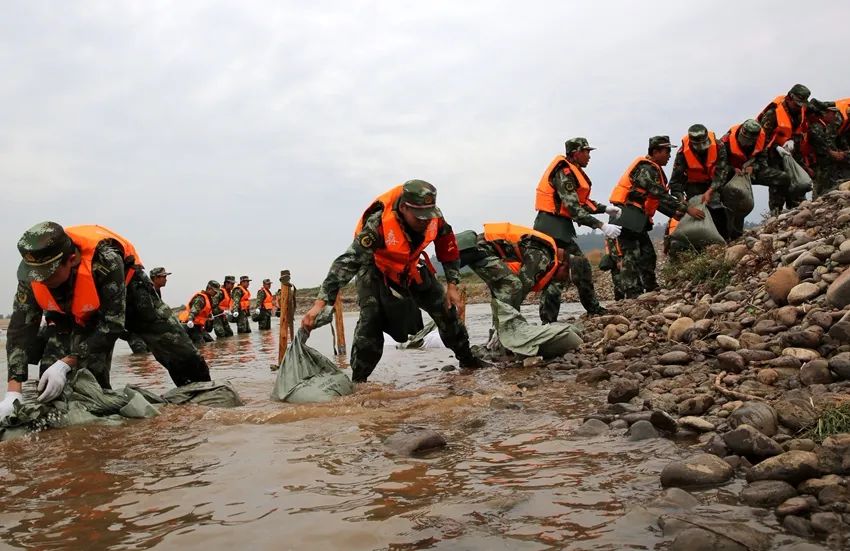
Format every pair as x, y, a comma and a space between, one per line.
246, 137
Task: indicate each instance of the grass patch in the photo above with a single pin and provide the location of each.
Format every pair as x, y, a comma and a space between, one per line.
833, 420
691, 268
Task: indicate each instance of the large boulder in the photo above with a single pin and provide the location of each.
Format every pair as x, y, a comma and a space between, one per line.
642, 430
793, 467
780, 283
623, 390
697, 471
758, 415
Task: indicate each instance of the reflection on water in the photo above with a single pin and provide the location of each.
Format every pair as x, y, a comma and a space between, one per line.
271, 475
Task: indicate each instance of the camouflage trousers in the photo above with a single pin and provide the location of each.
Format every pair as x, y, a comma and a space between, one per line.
581, 276
264, 320
368, 345
503, 283
151, 320
243, 324
222, 327
137, 344
778, 185
637, 274
827, 177
617, 283
199, 335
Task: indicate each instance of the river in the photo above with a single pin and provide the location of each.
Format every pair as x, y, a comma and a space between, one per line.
277, 476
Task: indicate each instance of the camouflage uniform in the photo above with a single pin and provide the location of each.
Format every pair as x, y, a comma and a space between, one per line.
373, 287
199, 333
221, 323
823, 138
778, 196
637, 273
242, 316
264, 318
562, 230
135, 307
681, 188
505, 285
612, 261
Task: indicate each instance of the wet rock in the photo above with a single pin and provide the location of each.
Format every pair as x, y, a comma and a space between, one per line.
674, 499
815, 372
619, 424
642, 430
592, 375
697, 405
803, 292
694, 423
414, 440
794, 466
697, 471
795, 506
716, 446
499, 402
731, 362
758, 415
663, 422
746, 440
529, 384
838, 293
780, 283
799, 526
796, 414
623, 390
767, 493
676, 357
728, 343
696, 534
592, 427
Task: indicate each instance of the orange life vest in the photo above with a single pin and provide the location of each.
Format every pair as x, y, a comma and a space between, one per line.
546, 199
737, 157
268, 299
785, 129
202, 316
671, 226
843, 105
699, 173
245, 299
226, 302
620, 195
512, 234
397, 260
85, 301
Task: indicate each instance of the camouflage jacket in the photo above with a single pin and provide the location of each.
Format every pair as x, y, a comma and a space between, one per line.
100, 333
215, 302
235, 296
679, 178
768, 124
261, 295
566, 186
645, 177
361, 252
197, 304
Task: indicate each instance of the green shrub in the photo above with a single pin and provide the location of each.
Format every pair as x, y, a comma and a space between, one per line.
690, 268
832, 420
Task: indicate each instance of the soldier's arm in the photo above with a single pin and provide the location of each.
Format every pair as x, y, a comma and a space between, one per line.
360, 253
646, 178
566, 187
536, 259
235, 297
447, 252
108, 270
22, 331
723, 170
195, 306
215, 302
679, 177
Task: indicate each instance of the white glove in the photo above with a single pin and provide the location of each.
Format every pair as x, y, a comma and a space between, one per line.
611, 231
789, 146
782, 151
257, 312
613, 210
190, 324
7, 406
53, 381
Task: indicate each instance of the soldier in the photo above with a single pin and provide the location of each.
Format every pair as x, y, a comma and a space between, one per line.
746, 151
386, 256
222, 305
563, 197
644, 186
241, 307
513, 260
783, 121
701, 168
159, 277
198, 310
89, 283
612, 261
821, 149
265, 303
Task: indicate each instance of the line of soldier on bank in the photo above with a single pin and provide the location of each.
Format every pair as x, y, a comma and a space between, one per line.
90, 284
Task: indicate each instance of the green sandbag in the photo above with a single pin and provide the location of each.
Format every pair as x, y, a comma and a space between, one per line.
694, 233
737, 195
204, 393
520, 337
801, 182
305, 375
418, 340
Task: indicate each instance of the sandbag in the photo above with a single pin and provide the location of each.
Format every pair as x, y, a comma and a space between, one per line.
737, 194
418, 340
520, 337
801, 182
305, 375
204, 393
694, 233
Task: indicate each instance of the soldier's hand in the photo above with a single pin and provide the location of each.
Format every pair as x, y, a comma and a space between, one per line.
749, 170
452, 296
308, 322
706, 197
696, 212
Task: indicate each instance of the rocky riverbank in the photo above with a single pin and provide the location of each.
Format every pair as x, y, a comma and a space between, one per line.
756, 376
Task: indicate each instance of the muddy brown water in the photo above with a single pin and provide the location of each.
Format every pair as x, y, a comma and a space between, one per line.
277, 476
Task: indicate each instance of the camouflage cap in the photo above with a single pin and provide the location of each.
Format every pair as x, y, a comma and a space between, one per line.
42, 247
422, 197
698, 137
800, 92
230, 279
818, 107
214, 284
577, 144
660, 141
751, 128
267, 280
244, 278
159, 271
